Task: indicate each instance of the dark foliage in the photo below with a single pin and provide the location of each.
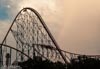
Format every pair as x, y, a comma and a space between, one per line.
38, 63
83, 62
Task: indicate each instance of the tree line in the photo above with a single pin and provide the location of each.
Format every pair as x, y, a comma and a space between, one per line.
81, 62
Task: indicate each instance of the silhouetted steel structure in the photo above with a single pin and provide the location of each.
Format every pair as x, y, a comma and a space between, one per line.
31, 37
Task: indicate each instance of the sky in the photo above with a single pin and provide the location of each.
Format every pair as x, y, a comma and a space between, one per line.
75, 24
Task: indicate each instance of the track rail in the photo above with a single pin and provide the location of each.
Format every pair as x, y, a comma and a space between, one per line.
43, 49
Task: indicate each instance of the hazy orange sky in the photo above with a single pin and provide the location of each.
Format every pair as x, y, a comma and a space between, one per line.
75, 24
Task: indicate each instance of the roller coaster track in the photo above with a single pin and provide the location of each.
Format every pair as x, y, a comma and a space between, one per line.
31, 37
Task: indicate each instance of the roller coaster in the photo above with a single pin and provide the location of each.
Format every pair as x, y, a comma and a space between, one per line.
29, 36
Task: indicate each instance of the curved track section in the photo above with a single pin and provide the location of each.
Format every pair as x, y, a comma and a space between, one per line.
9, 57
30, 36
29, 30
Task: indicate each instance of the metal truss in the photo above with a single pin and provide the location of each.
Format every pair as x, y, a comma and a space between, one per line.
32, 38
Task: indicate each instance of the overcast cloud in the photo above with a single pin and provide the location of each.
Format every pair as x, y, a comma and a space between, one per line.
75, 24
